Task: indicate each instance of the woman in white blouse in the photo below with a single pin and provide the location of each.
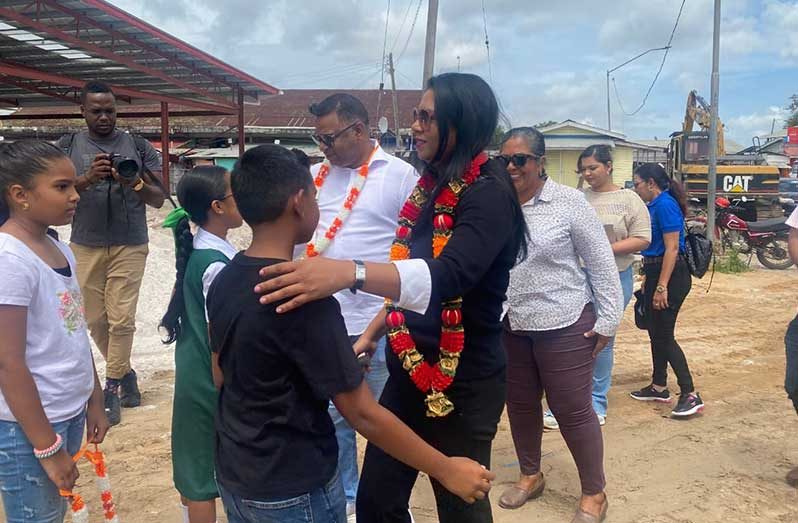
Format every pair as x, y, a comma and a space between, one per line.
564, 305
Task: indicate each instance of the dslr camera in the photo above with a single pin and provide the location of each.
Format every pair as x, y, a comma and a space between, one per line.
125, 167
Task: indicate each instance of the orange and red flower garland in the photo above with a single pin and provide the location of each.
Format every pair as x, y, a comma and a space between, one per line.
429, 379
318, 245
80, 513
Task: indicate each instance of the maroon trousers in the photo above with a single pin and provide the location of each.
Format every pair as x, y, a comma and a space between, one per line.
559, 362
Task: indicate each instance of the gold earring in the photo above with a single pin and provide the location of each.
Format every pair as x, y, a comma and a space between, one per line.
25, 206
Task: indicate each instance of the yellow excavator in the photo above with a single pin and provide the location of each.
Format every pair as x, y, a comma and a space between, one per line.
738, 175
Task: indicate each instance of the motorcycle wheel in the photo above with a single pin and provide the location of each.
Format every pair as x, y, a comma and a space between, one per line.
774, 254
734, 240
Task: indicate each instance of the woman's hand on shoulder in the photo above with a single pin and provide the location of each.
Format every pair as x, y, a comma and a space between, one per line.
303, 281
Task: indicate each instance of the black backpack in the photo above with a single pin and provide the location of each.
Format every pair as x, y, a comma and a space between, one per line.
697, 252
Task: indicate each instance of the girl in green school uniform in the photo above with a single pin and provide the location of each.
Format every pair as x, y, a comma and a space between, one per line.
206, 199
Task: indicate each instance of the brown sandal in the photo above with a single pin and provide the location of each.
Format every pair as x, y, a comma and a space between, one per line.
584, 517
515, 497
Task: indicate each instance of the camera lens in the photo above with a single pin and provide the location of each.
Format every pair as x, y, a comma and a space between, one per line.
126, 167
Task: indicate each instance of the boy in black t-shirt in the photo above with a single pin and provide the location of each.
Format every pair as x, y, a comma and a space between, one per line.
276, 453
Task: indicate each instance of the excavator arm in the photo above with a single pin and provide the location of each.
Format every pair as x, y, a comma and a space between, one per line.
698, 112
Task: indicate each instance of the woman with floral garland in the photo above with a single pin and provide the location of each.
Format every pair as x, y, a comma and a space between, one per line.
458, 236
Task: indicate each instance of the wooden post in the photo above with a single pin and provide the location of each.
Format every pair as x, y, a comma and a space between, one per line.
241, 147
165, 145
398, 136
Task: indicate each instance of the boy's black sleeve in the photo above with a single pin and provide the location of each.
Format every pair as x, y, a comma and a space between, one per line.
326, 358
212, 306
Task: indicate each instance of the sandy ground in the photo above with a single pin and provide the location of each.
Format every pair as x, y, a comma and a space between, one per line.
728, 464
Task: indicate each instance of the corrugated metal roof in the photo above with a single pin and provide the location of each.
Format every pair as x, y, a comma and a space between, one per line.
288, 109
49, 48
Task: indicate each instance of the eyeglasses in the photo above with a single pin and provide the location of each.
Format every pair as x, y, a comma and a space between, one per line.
226, 196
328, 140
423, 117
519, 160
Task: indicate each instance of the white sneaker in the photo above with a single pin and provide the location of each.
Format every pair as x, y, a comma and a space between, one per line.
550, 422
602, 419
351, 517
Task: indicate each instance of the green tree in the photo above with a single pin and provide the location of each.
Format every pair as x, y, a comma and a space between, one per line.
792, 120
545, 124
498, 134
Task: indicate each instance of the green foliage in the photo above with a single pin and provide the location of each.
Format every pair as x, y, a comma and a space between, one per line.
792, 120
545, 124
498, 134
731, 263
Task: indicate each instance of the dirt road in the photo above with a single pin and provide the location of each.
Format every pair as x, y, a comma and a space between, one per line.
726, 465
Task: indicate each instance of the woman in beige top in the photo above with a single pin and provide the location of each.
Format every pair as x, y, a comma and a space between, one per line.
628, 226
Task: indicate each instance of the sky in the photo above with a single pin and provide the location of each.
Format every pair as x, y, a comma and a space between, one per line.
547, 60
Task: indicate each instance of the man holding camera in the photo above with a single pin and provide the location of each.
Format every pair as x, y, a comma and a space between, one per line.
116, 180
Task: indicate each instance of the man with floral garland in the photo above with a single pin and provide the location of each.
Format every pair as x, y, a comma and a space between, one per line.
361, 190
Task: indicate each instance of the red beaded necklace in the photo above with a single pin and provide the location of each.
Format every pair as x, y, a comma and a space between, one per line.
429, 379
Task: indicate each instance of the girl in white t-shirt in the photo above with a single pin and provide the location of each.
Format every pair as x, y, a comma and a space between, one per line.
48, 385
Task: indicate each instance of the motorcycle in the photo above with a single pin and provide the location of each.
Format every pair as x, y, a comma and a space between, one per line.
766, 238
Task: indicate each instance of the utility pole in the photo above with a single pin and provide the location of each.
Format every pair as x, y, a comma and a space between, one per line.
712, 176
429, 48
395, 102
609, 114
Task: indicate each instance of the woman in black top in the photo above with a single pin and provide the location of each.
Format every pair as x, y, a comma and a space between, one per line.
455, 121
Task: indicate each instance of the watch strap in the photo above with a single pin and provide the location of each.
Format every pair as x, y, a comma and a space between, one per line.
360, 276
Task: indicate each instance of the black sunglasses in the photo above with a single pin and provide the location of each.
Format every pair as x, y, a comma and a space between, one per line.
423, 117
519, 160
328, 140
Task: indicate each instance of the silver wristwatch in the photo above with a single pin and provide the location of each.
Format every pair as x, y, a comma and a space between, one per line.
360, 276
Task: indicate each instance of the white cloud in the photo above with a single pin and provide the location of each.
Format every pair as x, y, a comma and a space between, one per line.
548, 58
782, 19
744, 126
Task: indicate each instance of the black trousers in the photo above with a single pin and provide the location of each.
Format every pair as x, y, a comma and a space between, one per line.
386, 483
791, 376
661, 325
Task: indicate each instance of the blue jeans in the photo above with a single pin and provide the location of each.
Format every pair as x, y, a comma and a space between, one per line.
602, 368
347, 440
323, 505
791, 376
28, 494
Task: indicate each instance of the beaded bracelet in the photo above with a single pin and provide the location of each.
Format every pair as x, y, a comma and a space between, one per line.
50, 451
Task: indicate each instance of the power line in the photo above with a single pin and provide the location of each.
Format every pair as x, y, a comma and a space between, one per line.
402, 25
326, 71
403, 75
487, 41
385, 41
618, 96
333, 76
661, 65
368, 79
410, 35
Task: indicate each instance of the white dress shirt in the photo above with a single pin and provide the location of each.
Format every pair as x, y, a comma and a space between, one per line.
206, 240
369, 231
